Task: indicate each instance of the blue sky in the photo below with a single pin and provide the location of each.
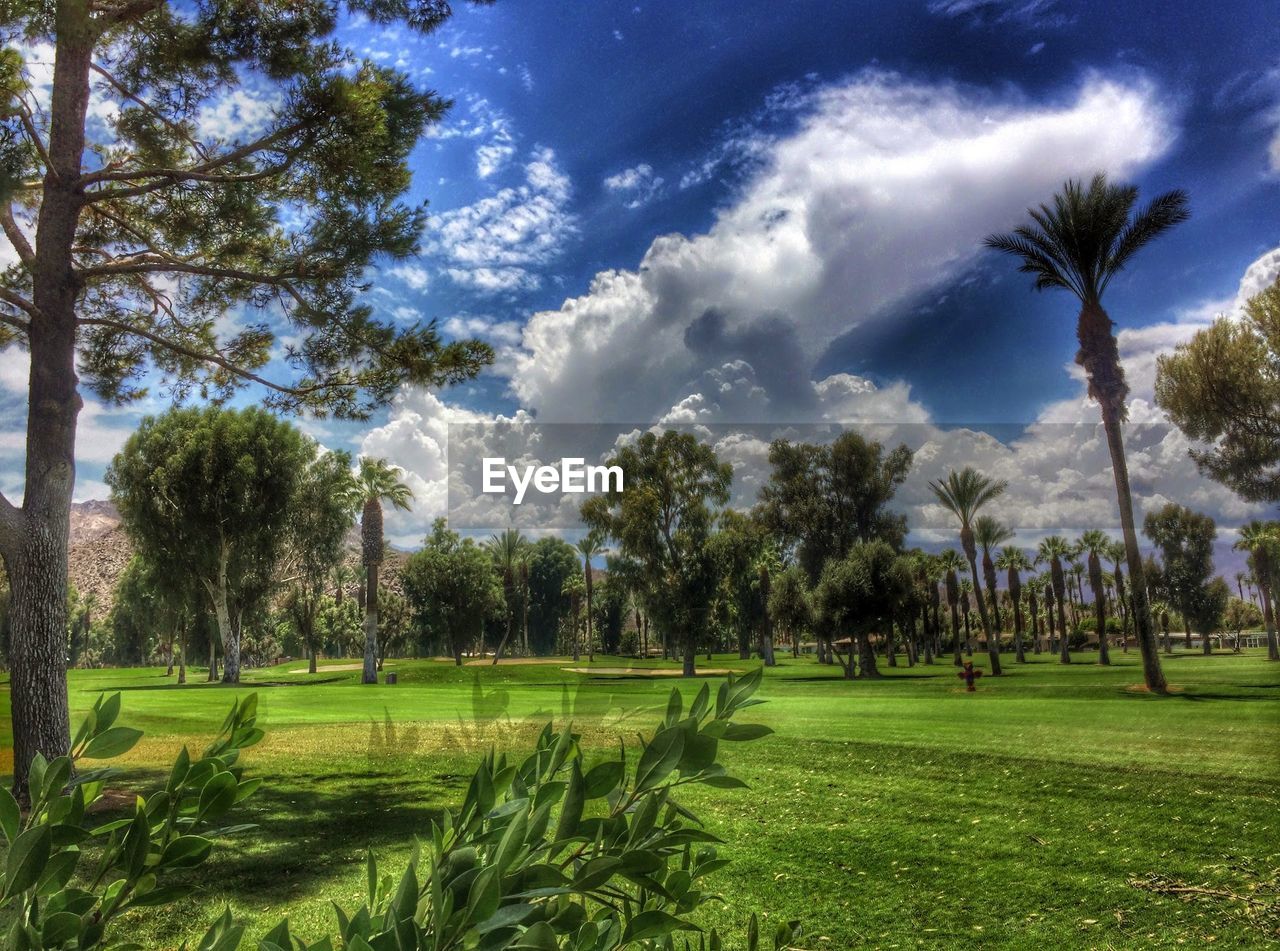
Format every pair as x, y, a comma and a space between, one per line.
760, 212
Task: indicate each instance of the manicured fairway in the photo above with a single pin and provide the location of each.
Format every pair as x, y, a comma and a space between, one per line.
898, 813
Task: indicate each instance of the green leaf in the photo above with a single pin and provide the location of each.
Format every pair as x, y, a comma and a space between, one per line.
59, 928
27, 857
505, 917
674, 705
186, 851
10, 815
541, 937
113, 742
654, 924
659, 758
482, 900
724, 782
603, 779
745, 731
107, 713
571, 810
218, 795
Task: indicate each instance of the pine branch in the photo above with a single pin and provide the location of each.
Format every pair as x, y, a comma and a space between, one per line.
298, 392
19, 240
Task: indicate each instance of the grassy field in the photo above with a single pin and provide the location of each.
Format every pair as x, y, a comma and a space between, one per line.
898, 813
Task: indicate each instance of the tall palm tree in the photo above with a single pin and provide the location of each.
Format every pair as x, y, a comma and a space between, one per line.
1053, 550
1095, 544
950, 563
1050, 599
964, 493
990, 533
507, 549
1079, 243
1262, 541
589, 545
378, 482
1014, 561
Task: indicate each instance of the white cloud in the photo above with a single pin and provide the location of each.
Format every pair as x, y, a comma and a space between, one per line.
239, 114
415, 275
886, 189
637, 185
500, 242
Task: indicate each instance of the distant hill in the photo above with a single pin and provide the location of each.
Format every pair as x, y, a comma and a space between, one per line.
100, 550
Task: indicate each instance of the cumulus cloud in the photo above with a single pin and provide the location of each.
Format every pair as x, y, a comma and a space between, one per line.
637, 185
884, 190
501, 242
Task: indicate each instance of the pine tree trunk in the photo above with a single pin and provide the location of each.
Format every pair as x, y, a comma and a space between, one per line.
33, 539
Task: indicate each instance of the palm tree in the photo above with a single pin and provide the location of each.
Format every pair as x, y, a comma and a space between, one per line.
378, 482
950, 563
1116, 555
507, 549
963, 494
1014, 561
1079, 244
990, 533
1095, 544
1052, 550
1049, 600
1262, 541
966, 589
1034, 586
572, 588
588, 547
342, 577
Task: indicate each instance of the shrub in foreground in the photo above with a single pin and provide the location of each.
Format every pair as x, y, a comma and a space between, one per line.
551, 852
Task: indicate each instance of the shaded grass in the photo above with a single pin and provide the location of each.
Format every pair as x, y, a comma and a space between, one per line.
900, 812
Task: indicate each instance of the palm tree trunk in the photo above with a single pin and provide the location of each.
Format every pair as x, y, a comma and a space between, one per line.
1101, 361
1268, 616
993, 641
370, 674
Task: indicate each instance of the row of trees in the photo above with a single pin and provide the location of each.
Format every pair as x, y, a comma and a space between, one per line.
234, 513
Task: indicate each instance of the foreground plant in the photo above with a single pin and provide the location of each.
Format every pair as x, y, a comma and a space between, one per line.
553, 853
55, 901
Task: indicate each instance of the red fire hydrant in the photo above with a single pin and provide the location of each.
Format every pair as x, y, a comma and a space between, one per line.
969, 675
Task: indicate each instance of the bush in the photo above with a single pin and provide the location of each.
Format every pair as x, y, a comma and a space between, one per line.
547, 853
140, 854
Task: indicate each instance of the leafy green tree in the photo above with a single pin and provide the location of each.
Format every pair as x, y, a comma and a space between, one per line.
395, 625
207, 492
1262, 541
322, 512
1239, 615
743, 552
664, 519
550, 562
1222, 388
1096, 544
964, 494
1116, 555
859, 595
453, 588
610, 609
377, 482
1013, 561
790, 605
822, 499
1185, 539
134, 235
1079, 243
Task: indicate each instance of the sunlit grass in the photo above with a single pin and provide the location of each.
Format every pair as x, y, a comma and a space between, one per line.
903, 812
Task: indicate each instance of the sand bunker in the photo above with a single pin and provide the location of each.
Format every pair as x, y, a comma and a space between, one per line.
651, 671
326, 668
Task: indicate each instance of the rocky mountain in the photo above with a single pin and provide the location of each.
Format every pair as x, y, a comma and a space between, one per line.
100, 550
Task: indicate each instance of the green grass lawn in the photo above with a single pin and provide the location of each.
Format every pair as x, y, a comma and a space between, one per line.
898, 813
